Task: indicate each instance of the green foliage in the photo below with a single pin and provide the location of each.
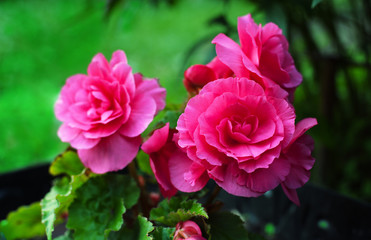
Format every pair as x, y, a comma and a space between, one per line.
315, 3
166, 116
2, 237
143, 163
66, 163
25, 222
270, 229
66, 236
139, 231
163, 233
170, 212
226, 226
57, 201
100, 204
61, 195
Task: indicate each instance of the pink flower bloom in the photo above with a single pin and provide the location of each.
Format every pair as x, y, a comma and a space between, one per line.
298, 153
160, 147
263, 53
235, 133
105, 111
197, 76
188, 230
168, 160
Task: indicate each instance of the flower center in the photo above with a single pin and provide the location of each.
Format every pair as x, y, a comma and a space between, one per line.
240, 129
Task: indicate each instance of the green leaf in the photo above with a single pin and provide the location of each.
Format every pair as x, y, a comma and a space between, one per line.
67, 236
100, 204
2, 237
139, 231
57, 201
25, 222
66, 163
315, 3
143, 163
226, 226
269, 229
170, 116
163, 233
170, 212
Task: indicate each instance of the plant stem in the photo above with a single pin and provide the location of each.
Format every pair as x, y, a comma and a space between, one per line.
213, 195
144, 198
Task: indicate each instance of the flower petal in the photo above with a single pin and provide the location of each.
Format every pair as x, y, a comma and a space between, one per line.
230, 184
118, 56
179, 166
142, 113
157, 140
230, 53
111, 154
150, 87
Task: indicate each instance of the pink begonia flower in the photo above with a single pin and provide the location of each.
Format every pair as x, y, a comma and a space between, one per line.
188, 230
263, 54
243, 139
299, 154
163, 151
105, 111
160, 147
197, 76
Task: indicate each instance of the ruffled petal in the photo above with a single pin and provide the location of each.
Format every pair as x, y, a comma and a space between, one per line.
303, 126
230, 53
157, 140
142, 113
111, 154
66, 133
81, 142
118, 56
99, 66
179, 166
291, 194
151, 87
230, 185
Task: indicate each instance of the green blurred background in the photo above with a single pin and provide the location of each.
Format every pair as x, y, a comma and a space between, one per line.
44, 42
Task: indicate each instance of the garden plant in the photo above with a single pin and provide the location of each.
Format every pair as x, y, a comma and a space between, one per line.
137, 168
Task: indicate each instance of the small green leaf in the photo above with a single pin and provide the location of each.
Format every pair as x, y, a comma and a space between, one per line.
269, 229
57, 201
100, 204
165, 116
67, 236
170, 212
143, 163
25, 222
163, 233
226, 226
140, 231
51, 203
315, 3
172, 118
66, 163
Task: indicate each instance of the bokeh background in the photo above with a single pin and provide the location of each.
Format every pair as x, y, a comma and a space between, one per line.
43, 42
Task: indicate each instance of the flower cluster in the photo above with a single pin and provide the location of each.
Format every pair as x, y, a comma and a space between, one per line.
239, 127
